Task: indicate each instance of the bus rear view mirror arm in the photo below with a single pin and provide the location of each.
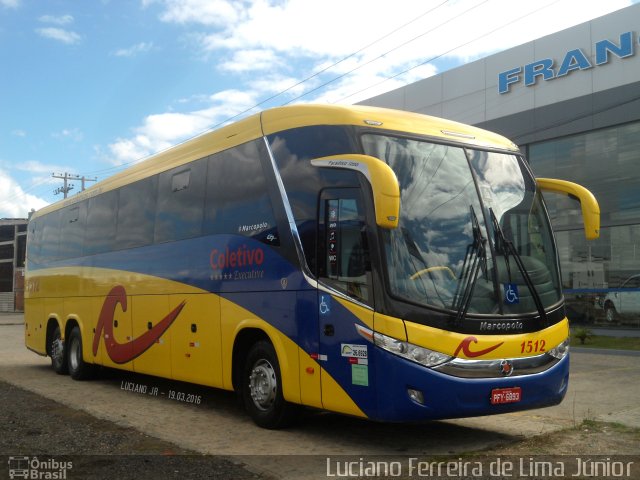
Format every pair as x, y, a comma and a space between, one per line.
383, 181
588, 203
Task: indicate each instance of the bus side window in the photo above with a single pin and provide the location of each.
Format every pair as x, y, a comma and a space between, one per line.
136, 213
72, 226
180, 206
346, 252
35, 240
238, 201
100, 233
50, 236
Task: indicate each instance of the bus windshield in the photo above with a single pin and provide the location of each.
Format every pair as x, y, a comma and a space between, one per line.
473, 234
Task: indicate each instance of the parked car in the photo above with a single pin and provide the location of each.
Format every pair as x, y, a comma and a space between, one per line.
625, 301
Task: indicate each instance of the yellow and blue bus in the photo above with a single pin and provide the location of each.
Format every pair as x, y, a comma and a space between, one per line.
378, 263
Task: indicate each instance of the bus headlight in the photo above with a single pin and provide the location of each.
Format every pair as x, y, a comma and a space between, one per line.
421, 355
561, 350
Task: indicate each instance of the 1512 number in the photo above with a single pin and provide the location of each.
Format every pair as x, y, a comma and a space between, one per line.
533, 347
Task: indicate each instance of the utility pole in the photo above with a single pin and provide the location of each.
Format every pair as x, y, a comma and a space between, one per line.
66, 177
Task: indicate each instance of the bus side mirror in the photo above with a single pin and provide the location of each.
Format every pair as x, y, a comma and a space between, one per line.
383, 181
588, 203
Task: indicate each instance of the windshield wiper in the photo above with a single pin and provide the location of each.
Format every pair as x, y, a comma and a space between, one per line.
475, 259
506, 247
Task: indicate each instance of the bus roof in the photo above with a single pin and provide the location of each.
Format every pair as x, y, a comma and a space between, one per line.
284, 118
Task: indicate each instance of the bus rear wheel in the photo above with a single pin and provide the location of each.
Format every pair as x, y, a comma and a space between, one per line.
58, 352
78, 368
262, 388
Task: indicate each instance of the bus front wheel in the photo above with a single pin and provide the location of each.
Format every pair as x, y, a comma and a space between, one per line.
78, 368
262, 388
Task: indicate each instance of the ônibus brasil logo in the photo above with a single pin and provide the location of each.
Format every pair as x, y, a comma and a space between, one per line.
32, 467
125, 352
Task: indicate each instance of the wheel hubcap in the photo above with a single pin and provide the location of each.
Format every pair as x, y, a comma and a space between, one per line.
73, 354
263, 384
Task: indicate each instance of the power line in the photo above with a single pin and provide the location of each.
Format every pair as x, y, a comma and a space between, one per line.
17, 196
447, 52
65, 189
312, 76
415, 19
70, 177
384, 54
306, 79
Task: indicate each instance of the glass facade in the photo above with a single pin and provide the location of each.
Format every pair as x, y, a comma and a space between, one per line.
600, 279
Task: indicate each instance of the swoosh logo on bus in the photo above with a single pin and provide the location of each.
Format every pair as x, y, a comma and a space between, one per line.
125, 352
464, 346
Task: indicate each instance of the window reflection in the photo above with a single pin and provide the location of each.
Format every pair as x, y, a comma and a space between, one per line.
237, 200
605, 161
101, 223
346, 251
432, 255
426, 253
136, 213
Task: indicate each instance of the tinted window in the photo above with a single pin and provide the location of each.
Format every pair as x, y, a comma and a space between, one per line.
317, 141
50, 236
136, 213
180, 202
72, 227
237, 197
292, 150
34, 235
344, 245
101, 223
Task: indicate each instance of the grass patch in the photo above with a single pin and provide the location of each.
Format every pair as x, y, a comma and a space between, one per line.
601, 341
589, 437
599, 426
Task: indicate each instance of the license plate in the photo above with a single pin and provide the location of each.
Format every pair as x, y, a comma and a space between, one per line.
500, 396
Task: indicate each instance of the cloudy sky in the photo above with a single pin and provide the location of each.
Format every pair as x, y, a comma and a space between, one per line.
89, 87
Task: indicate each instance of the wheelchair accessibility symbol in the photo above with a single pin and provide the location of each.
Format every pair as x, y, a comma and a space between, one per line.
511, 296
324, 305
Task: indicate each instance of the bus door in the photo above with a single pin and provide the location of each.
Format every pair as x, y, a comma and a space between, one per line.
344, 272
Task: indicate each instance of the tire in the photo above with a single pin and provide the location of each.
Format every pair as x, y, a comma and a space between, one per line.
78, 368
58, 352
610, 313
262, 388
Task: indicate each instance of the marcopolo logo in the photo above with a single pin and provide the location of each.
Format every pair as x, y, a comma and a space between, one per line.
575, 59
